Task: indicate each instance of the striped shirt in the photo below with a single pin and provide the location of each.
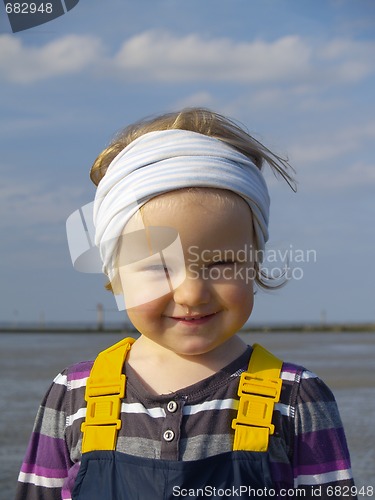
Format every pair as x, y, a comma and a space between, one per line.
308, 449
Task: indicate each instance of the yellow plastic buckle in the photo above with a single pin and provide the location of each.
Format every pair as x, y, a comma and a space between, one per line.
257, 399
255, 411
104, 403
117, 388
270, 387
105, 390
103, 410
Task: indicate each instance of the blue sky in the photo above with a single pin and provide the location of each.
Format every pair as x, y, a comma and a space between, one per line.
299, 75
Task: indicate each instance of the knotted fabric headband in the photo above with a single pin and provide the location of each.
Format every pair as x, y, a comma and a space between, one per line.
163, 161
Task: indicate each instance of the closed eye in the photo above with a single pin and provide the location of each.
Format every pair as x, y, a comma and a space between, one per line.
221, 263
155, 268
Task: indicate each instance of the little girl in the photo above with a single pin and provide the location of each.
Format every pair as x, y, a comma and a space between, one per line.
188, 409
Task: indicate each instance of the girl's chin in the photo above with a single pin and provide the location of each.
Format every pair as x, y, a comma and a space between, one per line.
194, 346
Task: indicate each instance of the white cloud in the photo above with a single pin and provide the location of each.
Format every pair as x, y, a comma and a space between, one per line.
352, 59
157, 56
29, 205
202, 98
168, 58
63, 56
164, 57
356, 175
322, 147
354, 178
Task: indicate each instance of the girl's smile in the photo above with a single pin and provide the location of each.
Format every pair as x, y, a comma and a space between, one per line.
194, 320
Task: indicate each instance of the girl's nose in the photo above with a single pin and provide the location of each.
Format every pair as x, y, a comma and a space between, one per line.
193, 292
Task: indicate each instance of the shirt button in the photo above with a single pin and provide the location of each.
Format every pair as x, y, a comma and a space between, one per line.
168, 435
172, 406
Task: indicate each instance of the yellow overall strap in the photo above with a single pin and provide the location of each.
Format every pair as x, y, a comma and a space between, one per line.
104, 390
259, 389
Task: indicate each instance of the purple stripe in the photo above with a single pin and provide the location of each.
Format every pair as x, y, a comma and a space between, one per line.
291, 368
324, 446
80, 370
48, 452
323, 468
43, 471
79, 375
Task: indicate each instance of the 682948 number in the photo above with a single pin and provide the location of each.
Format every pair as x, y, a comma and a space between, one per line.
28, 8
349, 491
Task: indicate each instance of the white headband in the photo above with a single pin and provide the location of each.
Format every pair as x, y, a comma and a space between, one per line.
163, 161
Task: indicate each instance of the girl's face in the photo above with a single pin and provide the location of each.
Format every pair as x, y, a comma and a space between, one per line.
195, 298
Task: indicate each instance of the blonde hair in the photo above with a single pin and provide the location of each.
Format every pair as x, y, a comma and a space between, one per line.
207, 122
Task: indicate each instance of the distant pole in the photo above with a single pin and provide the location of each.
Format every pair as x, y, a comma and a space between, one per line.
15, 324
323, 317
42, 320
100, 317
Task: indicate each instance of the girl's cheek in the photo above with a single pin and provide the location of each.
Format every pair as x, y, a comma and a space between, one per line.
235, 290
148, 309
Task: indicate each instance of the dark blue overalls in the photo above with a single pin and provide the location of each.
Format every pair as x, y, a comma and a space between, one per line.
106, 474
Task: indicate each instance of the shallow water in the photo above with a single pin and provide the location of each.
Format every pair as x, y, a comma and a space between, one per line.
29, 362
